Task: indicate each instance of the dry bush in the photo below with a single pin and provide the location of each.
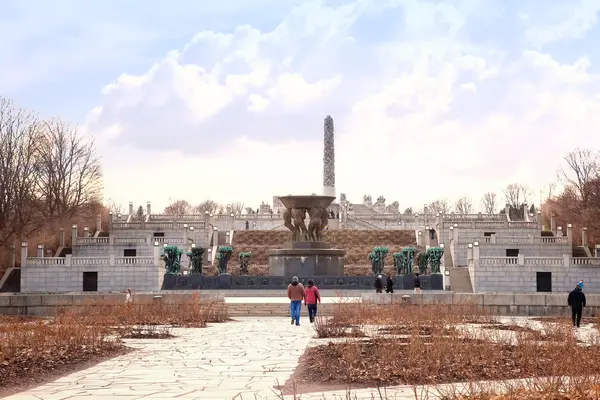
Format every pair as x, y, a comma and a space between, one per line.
29, 349
195, 313
327, 328
430, 345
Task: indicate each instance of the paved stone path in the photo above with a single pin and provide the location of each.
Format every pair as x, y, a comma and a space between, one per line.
240, 360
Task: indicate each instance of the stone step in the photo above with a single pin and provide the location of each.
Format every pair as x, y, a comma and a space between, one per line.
275, 310
460, 280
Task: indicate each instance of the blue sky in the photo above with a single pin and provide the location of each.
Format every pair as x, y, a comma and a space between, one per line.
471, 95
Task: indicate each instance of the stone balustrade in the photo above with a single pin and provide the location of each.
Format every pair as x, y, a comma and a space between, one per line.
158, 225
92, 240
70, 261
504, 240
85, 241
473, 224
564, 261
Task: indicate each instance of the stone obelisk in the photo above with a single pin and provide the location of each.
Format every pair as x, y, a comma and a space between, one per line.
328, 158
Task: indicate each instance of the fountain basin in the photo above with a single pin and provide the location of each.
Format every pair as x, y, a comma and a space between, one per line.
306, 259
306, 201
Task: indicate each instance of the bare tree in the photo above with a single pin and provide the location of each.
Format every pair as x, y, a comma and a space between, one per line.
69, 174
249, 210
113, 206
516, 194
463, 206
20, 211
178, 207
237, 207
206, 205
439, 206
408, 211
489, 203
583, 166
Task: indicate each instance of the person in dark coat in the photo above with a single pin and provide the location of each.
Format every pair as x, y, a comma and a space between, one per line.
417, 282
576, 300
378, 285
389, 285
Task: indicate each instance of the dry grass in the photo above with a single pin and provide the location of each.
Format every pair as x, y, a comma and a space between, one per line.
34, 349
440, 344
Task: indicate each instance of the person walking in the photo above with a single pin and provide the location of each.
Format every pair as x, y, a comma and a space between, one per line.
389, 285
128, 296
311, 297
576, 300
417, 282
378, 284
296, 294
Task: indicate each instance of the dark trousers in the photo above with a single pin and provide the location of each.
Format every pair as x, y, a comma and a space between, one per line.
312, 311
378, 290
576, 311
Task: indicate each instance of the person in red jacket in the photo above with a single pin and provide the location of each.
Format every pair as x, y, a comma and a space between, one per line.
312, 296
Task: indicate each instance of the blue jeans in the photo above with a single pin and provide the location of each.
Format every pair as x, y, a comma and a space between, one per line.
295, 307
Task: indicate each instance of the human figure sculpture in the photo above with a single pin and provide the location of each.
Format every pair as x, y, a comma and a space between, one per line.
319, 220
293, 219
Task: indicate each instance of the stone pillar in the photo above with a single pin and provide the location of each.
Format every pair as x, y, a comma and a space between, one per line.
539, 219
192, 236
148, 208
98, 222
419, 238
62, 237
566, 260
131, 208
552, 222
329, 157
110, 221
40, 250
451, 234
425, 214
74, 235
570, 234
68, 260
493, 238
476, 251
559, 231
521, 260
86, 231
24, 254
584, 236
13, 256
215, 236
469, 252
156, 254
525, 212
227, 238
185, 234
507, 211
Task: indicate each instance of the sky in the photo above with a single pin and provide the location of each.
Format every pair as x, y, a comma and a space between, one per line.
226, 100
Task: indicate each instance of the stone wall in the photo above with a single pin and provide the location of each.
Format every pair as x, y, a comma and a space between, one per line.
522, 278
365, 283
62, 278
509, 304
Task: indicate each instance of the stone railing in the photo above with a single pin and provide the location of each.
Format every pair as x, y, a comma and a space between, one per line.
494, 239
43, 261
155, 225
564, 261
92, 240
478, 216
585, 260
128, 240
488, 224
178, 218
70, 261
168, 240
134, 260
493, 261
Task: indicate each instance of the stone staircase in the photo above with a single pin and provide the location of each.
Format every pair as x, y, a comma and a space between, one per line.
271, 309
460, 281
357, 243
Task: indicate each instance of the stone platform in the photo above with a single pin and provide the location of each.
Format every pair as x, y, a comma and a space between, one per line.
306, 259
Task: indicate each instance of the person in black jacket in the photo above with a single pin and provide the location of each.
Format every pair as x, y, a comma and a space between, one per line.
378, 285
576, 300
417, 282
389, 285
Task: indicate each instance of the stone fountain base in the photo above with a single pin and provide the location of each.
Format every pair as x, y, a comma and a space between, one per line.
306, 259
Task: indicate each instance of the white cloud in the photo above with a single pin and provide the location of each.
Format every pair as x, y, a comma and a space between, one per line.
422, 110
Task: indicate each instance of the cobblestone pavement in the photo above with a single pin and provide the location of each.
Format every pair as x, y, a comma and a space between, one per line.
240, 360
